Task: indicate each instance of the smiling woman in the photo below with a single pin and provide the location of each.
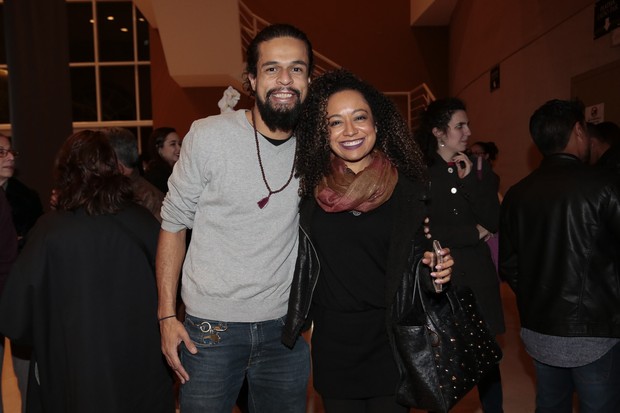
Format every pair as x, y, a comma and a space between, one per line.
362, 184
352, 131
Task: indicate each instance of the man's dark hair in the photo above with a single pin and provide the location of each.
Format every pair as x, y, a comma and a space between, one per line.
273, 31
87, 175
552, 123
125, 144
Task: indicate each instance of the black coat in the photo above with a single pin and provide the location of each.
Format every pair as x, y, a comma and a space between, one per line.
25, 205
83, 294
407, 247
455, 207
559, 248
8, 240
157, 173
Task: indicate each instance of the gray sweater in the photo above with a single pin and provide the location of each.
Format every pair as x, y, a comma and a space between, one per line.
241, 258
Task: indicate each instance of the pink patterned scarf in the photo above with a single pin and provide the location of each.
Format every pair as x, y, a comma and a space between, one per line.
343, 190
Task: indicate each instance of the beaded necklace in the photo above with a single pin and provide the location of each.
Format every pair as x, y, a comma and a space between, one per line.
263, 202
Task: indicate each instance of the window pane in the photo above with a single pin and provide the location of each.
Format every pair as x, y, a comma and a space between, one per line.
81, 46
2, 49
146, 109
5, 112
84, 94
118, 93
142, 29
115, 31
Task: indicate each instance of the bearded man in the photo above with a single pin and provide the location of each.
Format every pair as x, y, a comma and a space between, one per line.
234, 187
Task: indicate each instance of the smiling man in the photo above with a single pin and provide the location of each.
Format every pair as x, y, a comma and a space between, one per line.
234, 186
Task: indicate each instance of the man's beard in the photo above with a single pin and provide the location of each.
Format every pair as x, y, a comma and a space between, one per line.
279, 118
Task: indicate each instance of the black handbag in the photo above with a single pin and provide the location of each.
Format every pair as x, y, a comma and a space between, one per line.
442, 347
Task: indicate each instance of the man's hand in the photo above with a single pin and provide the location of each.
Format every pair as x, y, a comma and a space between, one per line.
172, 335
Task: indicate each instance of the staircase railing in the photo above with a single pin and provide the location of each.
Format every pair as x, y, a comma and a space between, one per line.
251, 24
416, 100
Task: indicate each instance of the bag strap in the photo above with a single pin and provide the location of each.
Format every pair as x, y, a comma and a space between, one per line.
448, 294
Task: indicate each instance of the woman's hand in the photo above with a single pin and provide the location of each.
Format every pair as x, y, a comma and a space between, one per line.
463, 164
443, 270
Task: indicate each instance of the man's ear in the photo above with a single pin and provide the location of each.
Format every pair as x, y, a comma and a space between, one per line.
580, 131
581, 142
252, 80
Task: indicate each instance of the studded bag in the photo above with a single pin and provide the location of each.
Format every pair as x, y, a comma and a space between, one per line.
442, 347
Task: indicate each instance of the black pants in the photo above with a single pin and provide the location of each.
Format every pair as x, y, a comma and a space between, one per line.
490, 392
383, 404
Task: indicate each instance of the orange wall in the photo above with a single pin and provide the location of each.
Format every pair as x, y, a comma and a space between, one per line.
371, 38
176, 106
384, 50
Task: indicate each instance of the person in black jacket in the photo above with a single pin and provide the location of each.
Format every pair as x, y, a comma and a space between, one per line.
165, 147
82, 293
464, 214
559, 248
361, 218
26, 208
605, 144
25, 202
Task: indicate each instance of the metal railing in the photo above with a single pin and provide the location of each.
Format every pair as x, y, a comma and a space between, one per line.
416, 99
251, 24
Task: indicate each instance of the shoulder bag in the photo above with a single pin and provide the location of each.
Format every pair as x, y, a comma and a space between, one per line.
442, 347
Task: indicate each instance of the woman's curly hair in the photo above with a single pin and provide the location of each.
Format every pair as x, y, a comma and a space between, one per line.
87, 175
394, 139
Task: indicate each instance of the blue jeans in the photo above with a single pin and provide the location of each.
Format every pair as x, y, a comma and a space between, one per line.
228, 352
597, 385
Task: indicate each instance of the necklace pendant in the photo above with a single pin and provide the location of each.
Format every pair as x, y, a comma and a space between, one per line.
263, 202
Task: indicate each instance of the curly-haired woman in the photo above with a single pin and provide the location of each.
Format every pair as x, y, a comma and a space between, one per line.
361, 214
82, 293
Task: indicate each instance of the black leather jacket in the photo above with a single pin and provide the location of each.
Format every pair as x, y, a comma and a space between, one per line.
407, 247
560, 248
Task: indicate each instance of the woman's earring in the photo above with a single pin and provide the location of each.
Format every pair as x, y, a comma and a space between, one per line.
442, 144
